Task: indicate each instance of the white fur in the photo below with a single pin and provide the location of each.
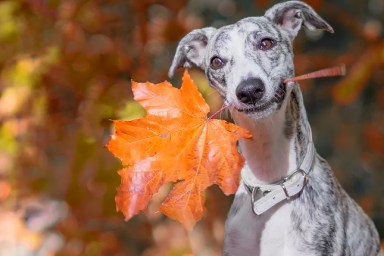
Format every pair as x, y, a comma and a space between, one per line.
270, 155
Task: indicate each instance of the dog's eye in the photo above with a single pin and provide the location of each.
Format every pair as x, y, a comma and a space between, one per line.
217, 63
266, 44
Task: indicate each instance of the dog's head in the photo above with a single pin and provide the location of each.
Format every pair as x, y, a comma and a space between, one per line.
248, 61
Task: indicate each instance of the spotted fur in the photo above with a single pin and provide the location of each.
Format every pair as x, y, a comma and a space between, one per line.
322, 219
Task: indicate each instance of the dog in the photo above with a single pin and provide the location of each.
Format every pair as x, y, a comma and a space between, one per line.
288, 201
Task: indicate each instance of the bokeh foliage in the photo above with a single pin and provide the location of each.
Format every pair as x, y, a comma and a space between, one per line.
65, 71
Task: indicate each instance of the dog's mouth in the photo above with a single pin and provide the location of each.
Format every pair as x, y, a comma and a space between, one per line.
278, 98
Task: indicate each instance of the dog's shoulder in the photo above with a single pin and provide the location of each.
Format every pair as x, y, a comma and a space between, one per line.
332, 222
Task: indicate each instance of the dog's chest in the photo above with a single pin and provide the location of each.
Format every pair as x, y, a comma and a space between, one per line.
268, 234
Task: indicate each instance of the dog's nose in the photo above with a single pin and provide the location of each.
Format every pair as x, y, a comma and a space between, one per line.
250, 91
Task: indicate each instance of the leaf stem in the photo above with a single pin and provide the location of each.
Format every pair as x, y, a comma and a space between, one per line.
224, 107
334, 71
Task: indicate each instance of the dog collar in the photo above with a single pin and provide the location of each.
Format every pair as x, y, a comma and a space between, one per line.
266, 196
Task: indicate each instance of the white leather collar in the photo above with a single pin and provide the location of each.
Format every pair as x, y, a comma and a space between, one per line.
266, 196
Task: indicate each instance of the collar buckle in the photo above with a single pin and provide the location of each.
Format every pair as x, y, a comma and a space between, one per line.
264, 197
257, 193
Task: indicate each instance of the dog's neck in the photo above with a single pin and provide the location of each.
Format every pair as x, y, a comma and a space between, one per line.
279, 141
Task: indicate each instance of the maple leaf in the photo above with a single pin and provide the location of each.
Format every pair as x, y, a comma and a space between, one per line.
174, 142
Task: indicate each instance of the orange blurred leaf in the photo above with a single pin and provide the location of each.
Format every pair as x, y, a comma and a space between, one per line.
5, 190
174, 142
348, 89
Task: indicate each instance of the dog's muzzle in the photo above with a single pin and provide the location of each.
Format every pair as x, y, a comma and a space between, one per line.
278, 98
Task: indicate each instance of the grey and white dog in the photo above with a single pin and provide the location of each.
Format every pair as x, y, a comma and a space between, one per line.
288, 202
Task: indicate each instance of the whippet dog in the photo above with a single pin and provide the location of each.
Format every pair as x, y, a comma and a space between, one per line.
288, 201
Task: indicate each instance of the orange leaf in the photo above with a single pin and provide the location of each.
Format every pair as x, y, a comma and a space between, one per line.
146, 133
348, 89
175, 142
185, 203
137, 186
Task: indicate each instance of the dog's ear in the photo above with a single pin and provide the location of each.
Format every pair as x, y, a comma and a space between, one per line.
292, 15
191, 50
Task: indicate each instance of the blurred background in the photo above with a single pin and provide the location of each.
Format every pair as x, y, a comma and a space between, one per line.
65, 72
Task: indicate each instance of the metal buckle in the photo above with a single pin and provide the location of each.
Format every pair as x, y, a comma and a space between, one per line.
299, 171
296, 172
305, 175
257, 193
285, 190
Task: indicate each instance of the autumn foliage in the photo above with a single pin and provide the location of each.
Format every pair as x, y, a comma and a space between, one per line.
65, 72
174, 142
